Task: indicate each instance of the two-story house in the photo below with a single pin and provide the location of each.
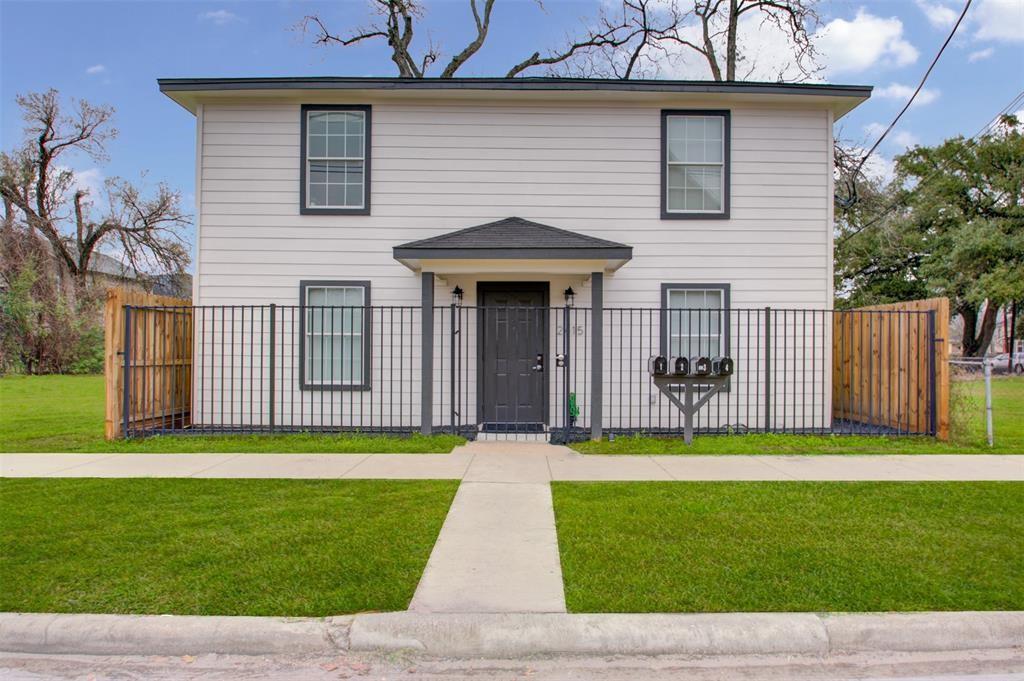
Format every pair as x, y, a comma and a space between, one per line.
484, 253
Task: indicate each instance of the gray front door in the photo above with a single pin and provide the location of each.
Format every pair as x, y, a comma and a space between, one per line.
513, 390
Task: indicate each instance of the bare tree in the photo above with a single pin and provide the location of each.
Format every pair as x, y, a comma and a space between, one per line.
396, 26
631, 40
719, 22
33, 184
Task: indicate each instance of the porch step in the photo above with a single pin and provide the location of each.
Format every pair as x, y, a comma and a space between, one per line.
512, 437
497, 552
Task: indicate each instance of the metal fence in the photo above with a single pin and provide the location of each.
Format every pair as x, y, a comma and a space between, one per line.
516, 371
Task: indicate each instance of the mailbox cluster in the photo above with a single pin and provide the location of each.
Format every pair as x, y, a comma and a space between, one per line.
659, 365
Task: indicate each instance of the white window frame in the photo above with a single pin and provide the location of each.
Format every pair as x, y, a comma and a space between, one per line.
724, 164
306, 207
723, 322
308, 334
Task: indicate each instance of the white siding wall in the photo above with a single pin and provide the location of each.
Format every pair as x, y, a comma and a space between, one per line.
584, 168
589, 168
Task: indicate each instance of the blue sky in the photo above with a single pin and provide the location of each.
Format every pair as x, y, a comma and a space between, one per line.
112, 53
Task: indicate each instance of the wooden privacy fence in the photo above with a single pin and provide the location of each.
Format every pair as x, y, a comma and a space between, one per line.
150, 351
890, 366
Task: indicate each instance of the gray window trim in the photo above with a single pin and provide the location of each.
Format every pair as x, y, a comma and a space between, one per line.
367, 155
726, 164
367, 335
726, 290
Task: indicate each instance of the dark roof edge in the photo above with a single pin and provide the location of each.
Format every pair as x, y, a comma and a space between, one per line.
575, 253
534, 84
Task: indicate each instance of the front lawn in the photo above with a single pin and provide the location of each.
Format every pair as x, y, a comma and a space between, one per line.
66, 413
967, 437
216, 547
791, 546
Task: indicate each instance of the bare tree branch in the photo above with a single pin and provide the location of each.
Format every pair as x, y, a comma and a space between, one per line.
148, 229
397, 29
610, 35
634, 39
482, 25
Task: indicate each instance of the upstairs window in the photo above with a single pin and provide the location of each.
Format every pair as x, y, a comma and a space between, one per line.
695, 164
335, 160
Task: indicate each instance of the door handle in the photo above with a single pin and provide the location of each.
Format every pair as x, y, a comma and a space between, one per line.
539, 366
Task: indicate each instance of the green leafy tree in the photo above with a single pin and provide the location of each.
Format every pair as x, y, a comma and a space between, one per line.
967, 223
876, 259
950, 224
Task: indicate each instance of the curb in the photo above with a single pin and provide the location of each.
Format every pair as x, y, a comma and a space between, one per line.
514, 635
168, 634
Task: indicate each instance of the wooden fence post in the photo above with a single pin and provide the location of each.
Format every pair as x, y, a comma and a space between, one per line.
113, 340
942, 368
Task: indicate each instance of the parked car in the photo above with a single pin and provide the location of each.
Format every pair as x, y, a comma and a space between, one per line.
1000, 363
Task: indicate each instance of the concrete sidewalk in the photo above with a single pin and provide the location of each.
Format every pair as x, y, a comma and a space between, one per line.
516, 462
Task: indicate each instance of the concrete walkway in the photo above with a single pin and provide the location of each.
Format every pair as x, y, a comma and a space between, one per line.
516, 462
497, 552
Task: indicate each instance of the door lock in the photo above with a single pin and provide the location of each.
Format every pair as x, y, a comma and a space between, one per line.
539, 366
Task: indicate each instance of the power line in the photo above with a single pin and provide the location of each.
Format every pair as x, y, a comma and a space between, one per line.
920, 86
1019, 99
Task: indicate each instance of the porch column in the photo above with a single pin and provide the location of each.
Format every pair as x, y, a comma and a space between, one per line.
597, 353
427, 353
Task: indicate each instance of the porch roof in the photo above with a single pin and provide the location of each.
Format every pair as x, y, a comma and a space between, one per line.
510, 239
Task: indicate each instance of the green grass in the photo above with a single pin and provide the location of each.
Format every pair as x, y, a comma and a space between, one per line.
968, 433
216, 547
66, 413
791, 546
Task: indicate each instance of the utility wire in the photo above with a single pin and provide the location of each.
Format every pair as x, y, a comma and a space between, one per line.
1019, 99
920, 86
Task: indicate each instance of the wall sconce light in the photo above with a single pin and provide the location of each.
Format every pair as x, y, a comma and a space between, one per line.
570, 297
457, 295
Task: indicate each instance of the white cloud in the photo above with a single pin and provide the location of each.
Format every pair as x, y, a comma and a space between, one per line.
873, 130
90, 180
219, 17
96, 70
865, 42
878, 165
903, 92
905, 139
767, 54
899, 138
1001, 20
938, 15
978, 55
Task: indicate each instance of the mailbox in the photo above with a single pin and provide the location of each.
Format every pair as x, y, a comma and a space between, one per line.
680, 366
657, 365
700, 366
722, 366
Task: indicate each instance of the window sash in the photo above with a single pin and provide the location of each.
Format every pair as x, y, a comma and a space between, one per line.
703, 163
698, 326
334, 337
348, 164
